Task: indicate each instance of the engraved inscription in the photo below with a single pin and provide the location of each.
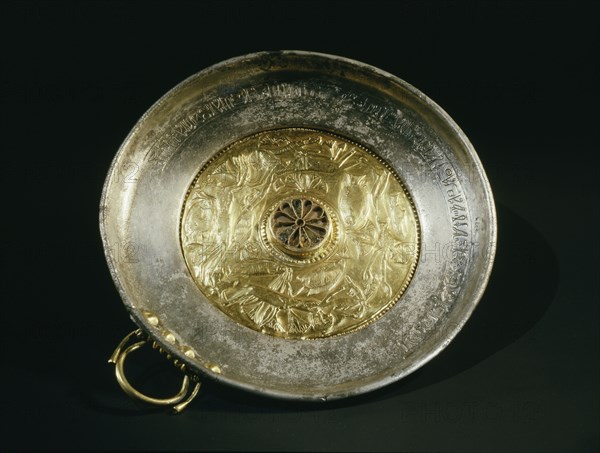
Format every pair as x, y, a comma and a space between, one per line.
453, 274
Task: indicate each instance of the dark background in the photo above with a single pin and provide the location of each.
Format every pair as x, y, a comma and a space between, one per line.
520, 78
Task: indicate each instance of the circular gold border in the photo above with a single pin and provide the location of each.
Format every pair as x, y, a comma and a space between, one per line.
410, 274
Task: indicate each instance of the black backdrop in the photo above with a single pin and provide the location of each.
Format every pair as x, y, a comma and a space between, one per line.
520, 78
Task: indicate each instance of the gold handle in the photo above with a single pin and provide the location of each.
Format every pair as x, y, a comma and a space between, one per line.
118, 358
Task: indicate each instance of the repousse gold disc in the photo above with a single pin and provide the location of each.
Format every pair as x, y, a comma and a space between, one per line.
299, 233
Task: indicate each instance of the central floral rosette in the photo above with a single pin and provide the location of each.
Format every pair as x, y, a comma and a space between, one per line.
300, 225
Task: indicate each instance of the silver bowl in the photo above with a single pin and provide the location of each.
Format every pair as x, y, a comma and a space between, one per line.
189, 315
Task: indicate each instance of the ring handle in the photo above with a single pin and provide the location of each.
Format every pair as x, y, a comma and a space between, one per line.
118, 358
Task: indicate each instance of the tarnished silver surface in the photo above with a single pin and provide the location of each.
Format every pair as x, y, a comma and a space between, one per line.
152, 172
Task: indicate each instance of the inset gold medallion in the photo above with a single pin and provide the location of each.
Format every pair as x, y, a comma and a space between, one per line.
299, 233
